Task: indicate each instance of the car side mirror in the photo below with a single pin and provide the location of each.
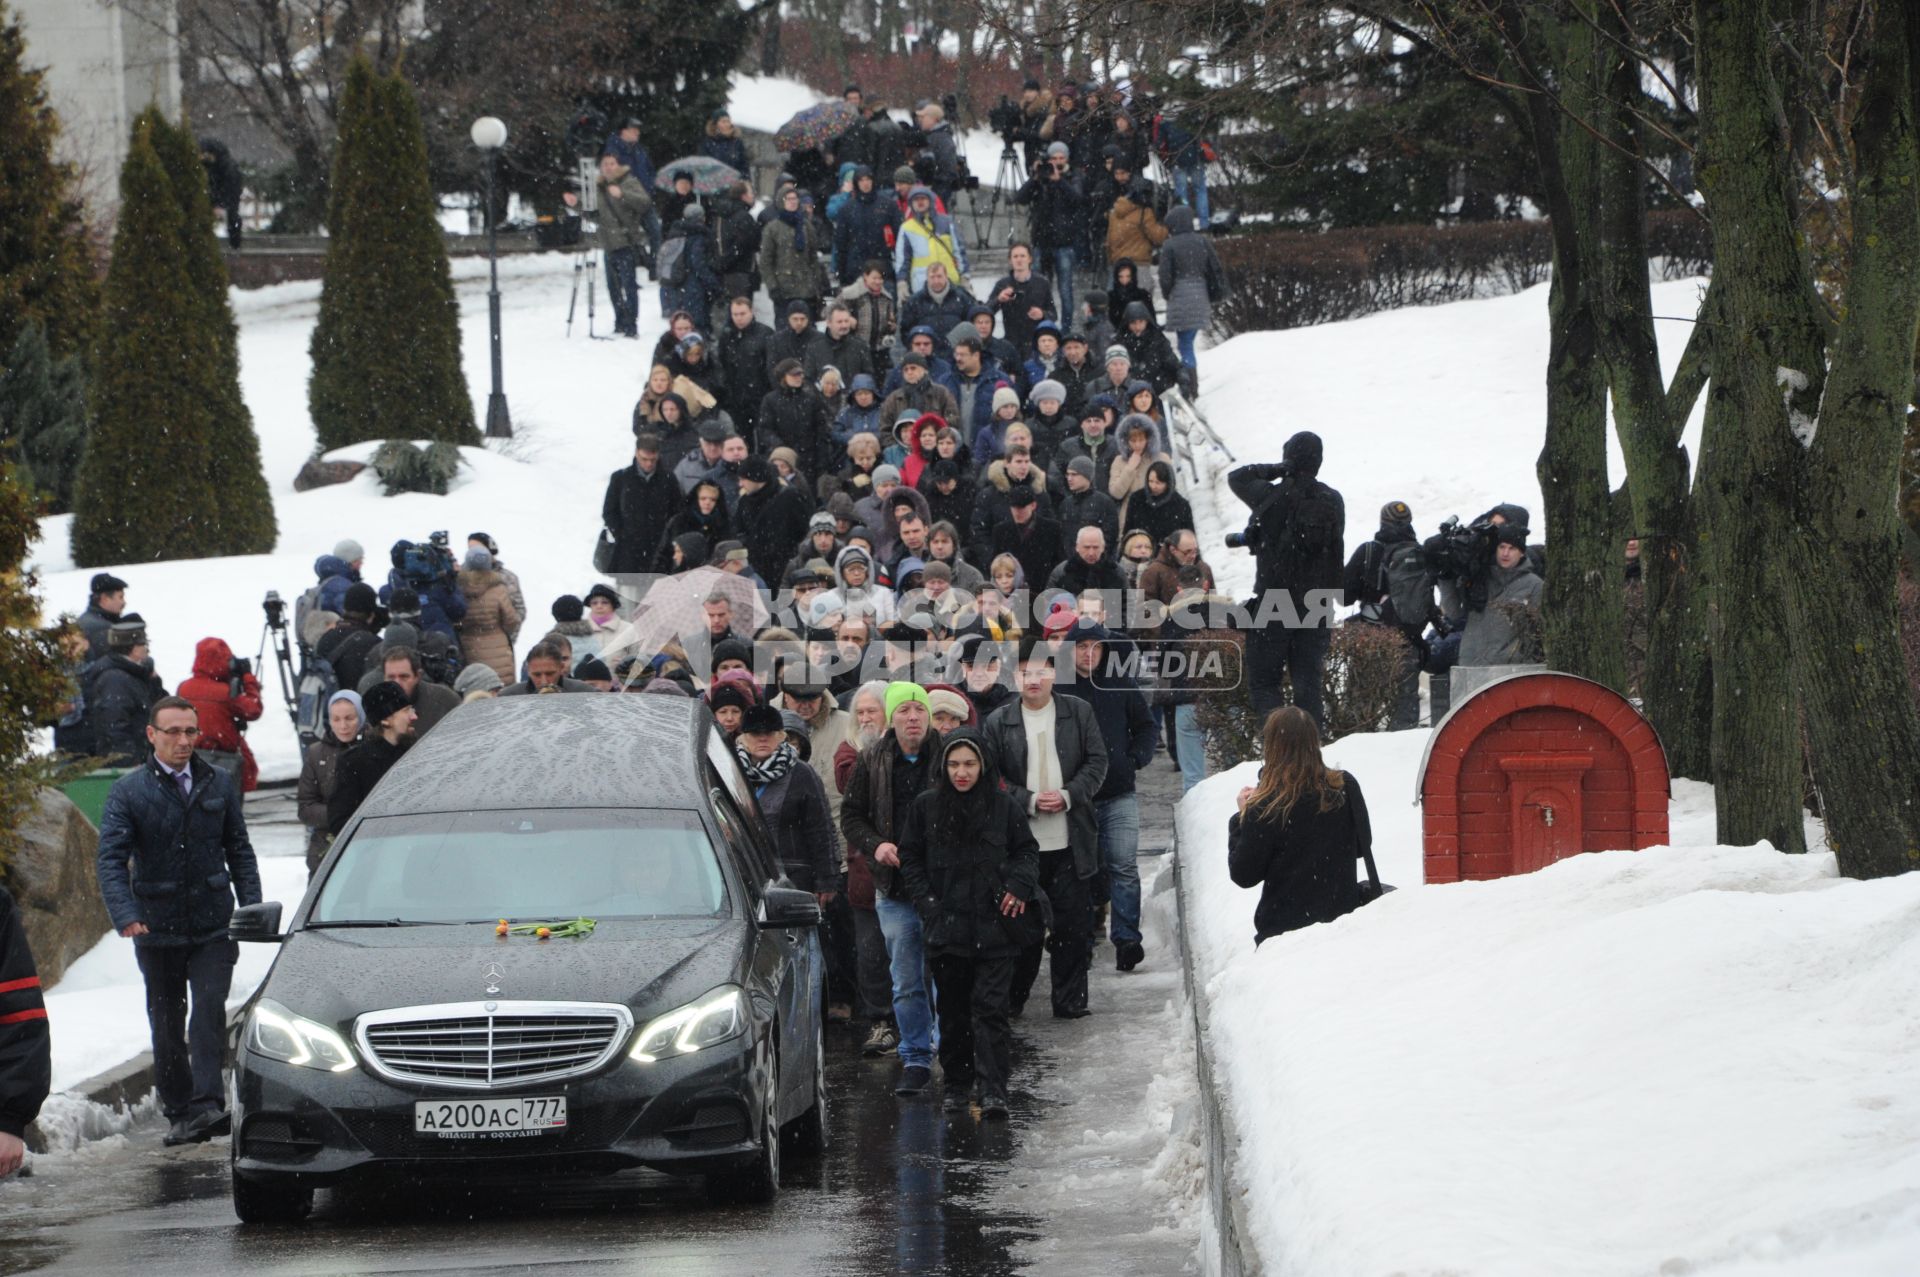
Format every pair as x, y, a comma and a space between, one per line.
257, 923
791, 907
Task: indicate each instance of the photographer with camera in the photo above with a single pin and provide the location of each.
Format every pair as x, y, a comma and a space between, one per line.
226, 695
1057, 210
1487, 575
1295, 533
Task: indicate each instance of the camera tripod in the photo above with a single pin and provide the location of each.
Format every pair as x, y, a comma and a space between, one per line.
1007, 179
275, 631
586, 256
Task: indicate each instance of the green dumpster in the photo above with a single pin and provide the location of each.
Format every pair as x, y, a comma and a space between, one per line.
89, 792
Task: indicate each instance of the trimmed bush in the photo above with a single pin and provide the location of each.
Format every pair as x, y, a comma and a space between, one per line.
405, 468
46, 265
43, 415
1363, 666
386, 348
243, 511
145, 489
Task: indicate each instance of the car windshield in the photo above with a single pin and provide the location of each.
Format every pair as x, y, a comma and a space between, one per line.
484, 865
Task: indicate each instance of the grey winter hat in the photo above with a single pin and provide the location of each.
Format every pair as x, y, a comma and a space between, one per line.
1082, 466
130, 631
477, 560
1396, 512
350, 550
963, 331
1118, 352
1005, 397
1057, 148
886, 474
1048, 389
822, 521
715, 432
477, 677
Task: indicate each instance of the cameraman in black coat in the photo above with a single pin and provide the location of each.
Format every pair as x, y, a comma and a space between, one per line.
1297, 536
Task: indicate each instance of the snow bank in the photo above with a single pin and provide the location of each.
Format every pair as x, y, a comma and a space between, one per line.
537, 494
1443, 407
1686, 1059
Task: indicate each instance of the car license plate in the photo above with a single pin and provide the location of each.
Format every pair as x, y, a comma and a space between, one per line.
481, 1119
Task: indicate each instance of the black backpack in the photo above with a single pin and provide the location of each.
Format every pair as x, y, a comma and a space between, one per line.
1407, 581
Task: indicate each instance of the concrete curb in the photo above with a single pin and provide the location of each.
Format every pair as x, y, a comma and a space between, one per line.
1237, 1256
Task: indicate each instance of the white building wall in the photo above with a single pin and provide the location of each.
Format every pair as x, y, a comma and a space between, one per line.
105, 61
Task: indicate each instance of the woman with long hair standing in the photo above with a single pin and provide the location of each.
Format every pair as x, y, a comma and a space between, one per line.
972, 868
1299, 831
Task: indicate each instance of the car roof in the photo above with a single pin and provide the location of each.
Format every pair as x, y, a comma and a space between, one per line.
559, 750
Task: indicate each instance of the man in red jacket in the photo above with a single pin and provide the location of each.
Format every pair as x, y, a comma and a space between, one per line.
226, 695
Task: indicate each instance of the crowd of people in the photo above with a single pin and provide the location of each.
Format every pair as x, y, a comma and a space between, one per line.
927, 551
867, 220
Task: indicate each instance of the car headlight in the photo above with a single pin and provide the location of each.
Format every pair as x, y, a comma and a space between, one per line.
711, 1020
279, 1034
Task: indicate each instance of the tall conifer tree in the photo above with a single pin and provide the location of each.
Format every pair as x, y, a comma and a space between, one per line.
386, 349
243, 505
145, 489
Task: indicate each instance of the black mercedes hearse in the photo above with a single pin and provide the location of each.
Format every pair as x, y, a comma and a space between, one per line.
399, 1032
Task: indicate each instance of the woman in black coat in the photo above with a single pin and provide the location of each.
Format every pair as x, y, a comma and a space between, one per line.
972, 868
792, 801
1299, 832
705, 513
1160, 510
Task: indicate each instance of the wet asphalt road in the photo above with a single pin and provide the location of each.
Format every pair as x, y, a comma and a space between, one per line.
1065, 1187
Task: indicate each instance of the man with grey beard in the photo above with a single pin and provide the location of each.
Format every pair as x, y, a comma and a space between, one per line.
873, 975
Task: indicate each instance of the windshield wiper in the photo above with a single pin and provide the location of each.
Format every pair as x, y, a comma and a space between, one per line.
379, 922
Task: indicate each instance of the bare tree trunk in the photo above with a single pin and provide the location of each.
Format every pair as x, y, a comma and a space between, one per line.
1862, 726
1747, 462
1677, 688
1583, 611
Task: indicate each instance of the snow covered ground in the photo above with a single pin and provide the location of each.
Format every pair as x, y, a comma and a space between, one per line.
537, 494
1688, 1059
1443, 407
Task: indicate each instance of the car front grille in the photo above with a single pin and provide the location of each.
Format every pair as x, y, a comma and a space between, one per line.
491, 1046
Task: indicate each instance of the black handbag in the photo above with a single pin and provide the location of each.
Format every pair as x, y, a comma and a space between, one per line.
603, 552
1372, 889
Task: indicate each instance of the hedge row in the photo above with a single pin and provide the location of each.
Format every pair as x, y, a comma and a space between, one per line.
1291, 279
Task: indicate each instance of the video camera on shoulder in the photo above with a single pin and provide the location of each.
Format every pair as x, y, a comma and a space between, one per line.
1456, 550
422, 564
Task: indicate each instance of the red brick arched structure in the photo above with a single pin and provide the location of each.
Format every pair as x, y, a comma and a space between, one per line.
1534, 768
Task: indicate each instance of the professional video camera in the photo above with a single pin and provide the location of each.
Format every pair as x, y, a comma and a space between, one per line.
1248, 538
587, 131
423, 564
1006, 118
1458, 552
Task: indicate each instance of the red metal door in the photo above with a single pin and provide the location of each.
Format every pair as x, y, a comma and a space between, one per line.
1546, 816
